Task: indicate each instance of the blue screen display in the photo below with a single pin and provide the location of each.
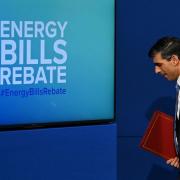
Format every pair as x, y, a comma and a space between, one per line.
56, 61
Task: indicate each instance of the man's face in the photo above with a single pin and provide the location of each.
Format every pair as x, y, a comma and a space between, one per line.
166, 68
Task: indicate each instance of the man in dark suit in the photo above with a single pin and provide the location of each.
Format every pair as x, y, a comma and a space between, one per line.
166, 58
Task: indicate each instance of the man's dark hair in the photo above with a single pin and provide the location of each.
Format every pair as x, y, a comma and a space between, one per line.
167, 46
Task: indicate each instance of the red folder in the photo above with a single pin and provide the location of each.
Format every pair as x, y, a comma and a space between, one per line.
159, 136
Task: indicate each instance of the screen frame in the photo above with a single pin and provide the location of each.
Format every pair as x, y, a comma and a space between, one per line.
31, 126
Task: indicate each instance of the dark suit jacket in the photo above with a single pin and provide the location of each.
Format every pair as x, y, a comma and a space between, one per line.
177, 121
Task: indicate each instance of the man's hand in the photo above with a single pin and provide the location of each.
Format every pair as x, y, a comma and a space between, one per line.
173, 162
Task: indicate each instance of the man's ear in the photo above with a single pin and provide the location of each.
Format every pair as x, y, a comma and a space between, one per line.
174, 60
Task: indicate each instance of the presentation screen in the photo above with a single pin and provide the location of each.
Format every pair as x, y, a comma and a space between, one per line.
56, 62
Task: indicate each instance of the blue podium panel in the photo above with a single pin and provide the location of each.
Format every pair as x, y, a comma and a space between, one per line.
78, 153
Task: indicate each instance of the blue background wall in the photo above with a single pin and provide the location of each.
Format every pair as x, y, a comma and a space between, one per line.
140, 91
90, 152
